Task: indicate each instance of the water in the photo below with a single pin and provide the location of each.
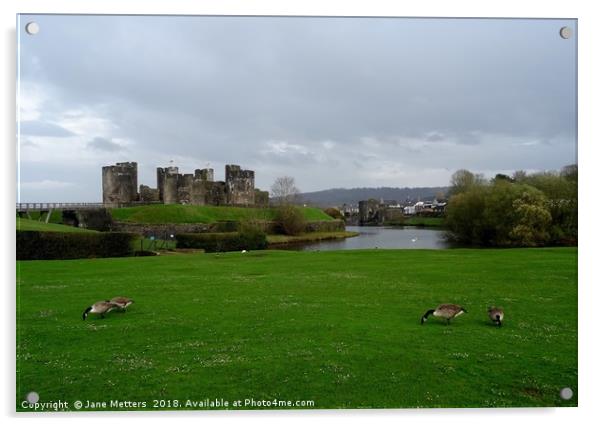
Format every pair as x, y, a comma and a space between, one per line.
383, 238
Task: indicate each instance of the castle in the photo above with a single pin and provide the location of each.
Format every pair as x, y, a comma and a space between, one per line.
120, 187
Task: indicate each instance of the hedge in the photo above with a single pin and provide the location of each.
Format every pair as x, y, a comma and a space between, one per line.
38, 245
223, 241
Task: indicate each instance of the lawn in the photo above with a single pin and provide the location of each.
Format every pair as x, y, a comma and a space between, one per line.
423, 221
178, 213
340, 328
34, 225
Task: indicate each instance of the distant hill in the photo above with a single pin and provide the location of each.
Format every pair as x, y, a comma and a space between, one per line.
340, 196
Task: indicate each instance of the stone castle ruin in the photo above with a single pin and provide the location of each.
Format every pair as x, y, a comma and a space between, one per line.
120, 187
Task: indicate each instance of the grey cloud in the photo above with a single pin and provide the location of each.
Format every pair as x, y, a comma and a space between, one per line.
215, 89
41, 128
103, 144
434, 137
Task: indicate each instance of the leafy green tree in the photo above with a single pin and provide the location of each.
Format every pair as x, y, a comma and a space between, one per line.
500, 214
561, 192
532, 220
464, 219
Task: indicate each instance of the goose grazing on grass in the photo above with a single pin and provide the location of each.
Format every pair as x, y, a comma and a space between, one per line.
447, 311
102, 307
496, 315
122, 302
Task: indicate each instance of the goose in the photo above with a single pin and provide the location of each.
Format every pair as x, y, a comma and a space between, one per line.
496, 315
102, 307
447, 311
122, 302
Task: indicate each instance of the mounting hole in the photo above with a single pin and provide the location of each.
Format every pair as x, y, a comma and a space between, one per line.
566, 393
32, 397
32, 28
566, 32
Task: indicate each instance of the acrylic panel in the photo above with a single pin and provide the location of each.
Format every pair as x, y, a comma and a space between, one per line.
236, 212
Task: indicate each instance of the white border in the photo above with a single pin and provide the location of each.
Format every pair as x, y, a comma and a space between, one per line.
590, 137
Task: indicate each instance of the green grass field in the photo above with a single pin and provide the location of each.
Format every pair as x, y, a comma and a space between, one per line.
34, 225
177, 213
423, 221
339, 328
56, 216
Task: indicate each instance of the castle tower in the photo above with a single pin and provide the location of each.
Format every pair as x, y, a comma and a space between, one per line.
170, 185
160, 181
120, 184
240, 186
204, 174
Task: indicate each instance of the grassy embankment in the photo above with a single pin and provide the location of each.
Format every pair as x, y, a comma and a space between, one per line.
137, 244
177, 213
35, 225
210, 214
340, 328
158, 214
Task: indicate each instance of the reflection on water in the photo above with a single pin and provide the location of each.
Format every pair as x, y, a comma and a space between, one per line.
383, 238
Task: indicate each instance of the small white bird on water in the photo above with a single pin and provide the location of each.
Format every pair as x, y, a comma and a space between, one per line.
414, 239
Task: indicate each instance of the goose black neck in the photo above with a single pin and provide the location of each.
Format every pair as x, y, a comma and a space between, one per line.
426, 315
85, 314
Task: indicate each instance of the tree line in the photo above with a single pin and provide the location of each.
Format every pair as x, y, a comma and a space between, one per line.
522, 210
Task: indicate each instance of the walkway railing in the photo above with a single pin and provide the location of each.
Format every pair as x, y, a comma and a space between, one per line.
25, 207
51, 206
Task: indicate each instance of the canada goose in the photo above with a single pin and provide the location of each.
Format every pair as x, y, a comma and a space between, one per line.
496, 315
122, 302
447, 311
102, 307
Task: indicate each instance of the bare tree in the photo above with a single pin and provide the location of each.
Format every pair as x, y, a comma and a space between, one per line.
462, 180
284, 190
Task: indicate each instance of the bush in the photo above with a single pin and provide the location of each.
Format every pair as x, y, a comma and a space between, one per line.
291, 220
334, 213
38, 245
502, 214
252, 236
225, 241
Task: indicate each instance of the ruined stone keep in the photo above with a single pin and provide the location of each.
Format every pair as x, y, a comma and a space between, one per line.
120, 183
119, 186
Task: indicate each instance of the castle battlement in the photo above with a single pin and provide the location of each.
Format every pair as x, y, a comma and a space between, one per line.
119, 186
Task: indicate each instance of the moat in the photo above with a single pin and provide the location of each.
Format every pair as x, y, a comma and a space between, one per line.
382, 237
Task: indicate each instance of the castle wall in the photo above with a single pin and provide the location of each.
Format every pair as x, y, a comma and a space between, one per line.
262, 198
216, 194
198, 192
120, 183
148, 194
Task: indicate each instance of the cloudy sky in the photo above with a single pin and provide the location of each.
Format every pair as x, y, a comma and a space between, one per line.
332, 102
